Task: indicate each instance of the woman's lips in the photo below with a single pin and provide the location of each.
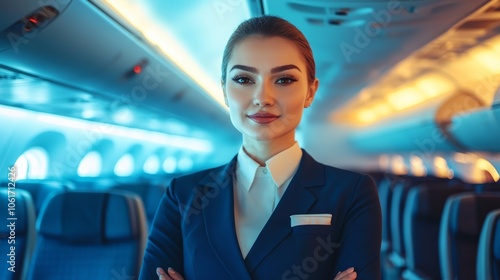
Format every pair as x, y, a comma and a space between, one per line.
263, 118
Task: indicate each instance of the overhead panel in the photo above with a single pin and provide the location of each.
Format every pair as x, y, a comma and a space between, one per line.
365, 37
463, 58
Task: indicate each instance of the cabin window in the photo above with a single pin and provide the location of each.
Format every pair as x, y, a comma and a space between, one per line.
152, 165
169, 165
32, 164
91, 165
125, 166
185, 164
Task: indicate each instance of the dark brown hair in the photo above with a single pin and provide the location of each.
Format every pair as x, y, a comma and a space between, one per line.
270, 26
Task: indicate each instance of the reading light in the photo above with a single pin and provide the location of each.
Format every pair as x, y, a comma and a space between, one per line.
137, 69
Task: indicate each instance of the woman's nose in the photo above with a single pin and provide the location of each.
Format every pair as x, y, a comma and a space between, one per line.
264, 96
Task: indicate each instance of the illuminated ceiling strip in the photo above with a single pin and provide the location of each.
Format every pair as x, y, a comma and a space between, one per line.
169, 46
177, 141
484, 57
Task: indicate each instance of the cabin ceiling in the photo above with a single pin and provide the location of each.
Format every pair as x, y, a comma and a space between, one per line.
355, 43
80, 64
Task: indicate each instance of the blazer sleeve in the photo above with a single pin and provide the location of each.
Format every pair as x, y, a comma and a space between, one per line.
164, 246
362, 233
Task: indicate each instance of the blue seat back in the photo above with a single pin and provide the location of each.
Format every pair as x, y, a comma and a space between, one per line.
385, 194
40, 190
17, 232
461, 223
421, 222
150, 194
488, 254
90, 235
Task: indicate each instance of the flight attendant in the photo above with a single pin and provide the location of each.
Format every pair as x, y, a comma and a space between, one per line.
272, 212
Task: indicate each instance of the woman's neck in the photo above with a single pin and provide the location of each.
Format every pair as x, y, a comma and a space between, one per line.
261, 151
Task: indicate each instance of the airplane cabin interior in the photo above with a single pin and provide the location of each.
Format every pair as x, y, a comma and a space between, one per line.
104, 102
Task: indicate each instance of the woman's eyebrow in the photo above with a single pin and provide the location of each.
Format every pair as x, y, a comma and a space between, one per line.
273, 71
245, 68
283, 68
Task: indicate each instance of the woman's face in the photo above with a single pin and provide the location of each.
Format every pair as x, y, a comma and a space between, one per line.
267, 89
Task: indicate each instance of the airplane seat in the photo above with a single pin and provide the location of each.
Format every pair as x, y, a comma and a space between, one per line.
488, 254
378, 176
18, 234
461, 223
93, 183
397, 257
422, 218
385, 195
90, 235
41, 190
385, 186
150, 194
487, 187
394, 264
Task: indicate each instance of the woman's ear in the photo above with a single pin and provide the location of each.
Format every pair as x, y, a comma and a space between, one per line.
311, 92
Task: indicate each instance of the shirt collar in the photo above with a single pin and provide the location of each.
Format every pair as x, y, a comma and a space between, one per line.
282, 166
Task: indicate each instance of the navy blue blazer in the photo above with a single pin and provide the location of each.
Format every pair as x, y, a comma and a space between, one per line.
194, 232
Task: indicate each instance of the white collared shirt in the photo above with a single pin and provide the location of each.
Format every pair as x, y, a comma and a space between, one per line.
258, 189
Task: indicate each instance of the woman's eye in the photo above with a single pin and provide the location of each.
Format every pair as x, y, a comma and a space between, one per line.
286, 80
241, 80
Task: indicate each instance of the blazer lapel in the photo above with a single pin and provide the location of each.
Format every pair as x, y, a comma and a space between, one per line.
296, 200
219, 220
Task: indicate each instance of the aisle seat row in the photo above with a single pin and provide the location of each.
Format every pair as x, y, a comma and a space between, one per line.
64, 232
79, 235
424, 224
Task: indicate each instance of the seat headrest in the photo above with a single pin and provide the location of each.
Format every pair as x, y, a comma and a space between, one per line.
430, 201
40, 190
91, 217
496, 238
469, 213
150, 194
23, 207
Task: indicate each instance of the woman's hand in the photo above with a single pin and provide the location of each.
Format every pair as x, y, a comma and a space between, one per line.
171, 275
344, 275
174, 275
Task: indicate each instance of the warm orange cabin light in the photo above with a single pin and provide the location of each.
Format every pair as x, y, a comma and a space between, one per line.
398, 165
472, 70
417, 166
405, 98
441, 168
490, 171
